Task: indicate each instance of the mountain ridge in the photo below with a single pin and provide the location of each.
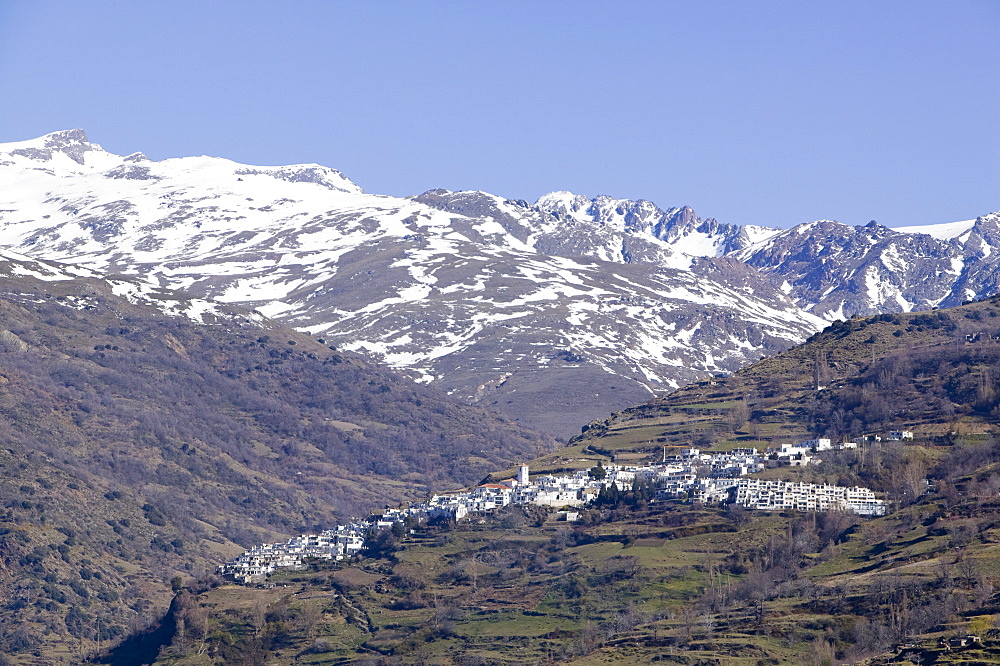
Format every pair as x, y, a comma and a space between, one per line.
469, 290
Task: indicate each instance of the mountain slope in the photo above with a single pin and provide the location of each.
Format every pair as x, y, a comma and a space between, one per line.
137, 445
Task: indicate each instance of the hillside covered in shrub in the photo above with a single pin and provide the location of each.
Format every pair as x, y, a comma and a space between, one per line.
137, 446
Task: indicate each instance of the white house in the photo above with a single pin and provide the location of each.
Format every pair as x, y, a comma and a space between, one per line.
821, 444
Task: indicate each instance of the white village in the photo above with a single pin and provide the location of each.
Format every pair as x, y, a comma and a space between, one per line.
709, 478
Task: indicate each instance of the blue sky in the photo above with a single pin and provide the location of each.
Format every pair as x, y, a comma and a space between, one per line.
769, 113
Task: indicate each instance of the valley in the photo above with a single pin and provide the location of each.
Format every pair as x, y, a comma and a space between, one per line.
641, 580
199, 356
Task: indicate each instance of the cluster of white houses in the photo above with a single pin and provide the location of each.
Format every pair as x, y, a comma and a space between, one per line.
704, 477
338, 543
770, 495
804, 452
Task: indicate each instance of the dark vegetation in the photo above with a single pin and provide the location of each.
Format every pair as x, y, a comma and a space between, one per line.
135, 447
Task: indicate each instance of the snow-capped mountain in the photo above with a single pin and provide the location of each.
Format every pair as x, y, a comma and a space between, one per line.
498, 301
555, 312
682, 234
836, 271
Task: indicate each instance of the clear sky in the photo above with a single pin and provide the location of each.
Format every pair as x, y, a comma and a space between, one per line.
753, 112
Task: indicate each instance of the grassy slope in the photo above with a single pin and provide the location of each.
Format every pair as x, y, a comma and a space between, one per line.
636, 589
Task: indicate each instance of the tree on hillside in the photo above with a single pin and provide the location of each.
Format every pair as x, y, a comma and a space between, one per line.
380, 543
597, 473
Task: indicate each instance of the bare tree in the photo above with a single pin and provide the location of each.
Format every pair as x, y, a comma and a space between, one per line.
257, 616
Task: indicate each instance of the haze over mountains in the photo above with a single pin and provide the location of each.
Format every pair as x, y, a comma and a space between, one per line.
555, 313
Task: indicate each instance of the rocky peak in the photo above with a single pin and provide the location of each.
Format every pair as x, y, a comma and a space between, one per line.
982, 239
72, 143
472, 203
64, 138
316, 174
683, 217
987, 225
675, 222
565, 204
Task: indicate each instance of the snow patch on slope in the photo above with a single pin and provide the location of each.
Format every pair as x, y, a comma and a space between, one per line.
943, 231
